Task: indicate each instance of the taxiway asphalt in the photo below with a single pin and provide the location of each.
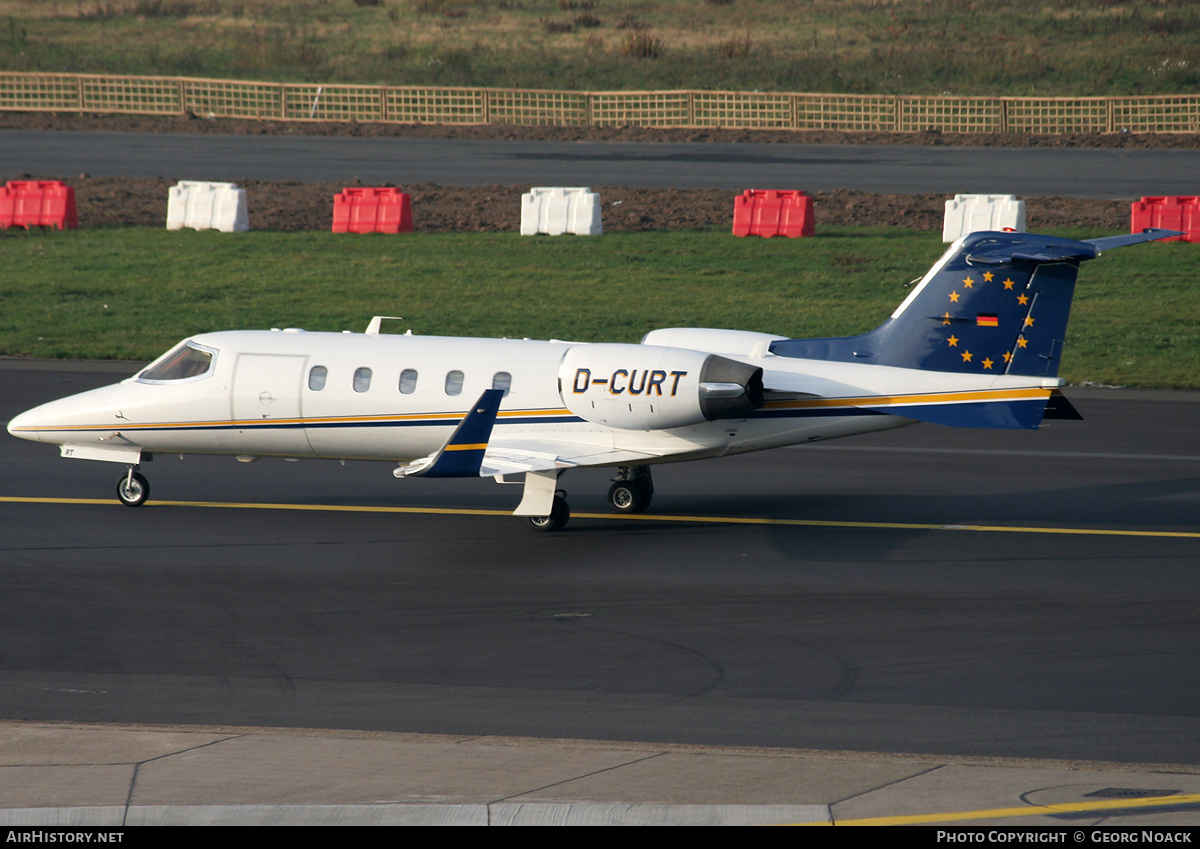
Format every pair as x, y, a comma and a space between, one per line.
1024, 171
923, 591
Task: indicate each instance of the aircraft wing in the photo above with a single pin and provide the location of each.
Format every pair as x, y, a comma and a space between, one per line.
510, 457
471, 451
530, 455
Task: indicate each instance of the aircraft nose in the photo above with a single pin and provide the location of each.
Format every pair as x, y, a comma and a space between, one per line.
24, 426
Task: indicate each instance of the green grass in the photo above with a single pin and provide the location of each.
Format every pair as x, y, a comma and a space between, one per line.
131, 293
963, 47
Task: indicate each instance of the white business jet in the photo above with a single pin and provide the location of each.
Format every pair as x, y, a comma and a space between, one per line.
975, 344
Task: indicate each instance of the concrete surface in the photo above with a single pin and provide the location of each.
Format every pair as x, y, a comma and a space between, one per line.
55, 774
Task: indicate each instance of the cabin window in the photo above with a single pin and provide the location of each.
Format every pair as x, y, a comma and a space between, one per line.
502, 380
190, 360
362, 379
408, 381
454, 381
316, 378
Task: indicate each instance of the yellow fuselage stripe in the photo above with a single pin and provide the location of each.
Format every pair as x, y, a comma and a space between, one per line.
867, 401
907, 400
447, 418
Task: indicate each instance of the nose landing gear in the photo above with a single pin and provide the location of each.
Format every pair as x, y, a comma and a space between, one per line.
133, 489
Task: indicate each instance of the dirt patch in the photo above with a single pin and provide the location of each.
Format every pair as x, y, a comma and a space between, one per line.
293, 206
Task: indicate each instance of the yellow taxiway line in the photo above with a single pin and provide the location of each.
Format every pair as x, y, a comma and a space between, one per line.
637, 517
1034, 811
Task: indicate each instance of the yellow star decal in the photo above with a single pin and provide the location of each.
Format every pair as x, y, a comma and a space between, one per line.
968, 282
987, 276
1008, 356
1022, 299
1008, 282
987, 363
954, 297
966, 356
953, 340
1028, 320
1022, 341
946, 318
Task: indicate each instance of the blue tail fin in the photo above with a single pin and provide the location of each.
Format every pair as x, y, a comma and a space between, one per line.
995, 303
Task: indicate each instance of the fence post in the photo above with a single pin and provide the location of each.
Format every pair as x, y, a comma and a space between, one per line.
1004, 115
587, 105
1109, 119
487, 106
383, 104
79, 90
182, 96
283, 101
899, 123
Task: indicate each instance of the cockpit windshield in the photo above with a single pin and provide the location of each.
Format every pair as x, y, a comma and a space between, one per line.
189, 360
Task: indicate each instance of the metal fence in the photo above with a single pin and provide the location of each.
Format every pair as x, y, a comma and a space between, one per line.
688, 109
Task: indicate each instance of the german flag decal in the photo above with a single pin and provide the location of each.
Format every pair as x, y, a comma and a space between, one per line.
987, 319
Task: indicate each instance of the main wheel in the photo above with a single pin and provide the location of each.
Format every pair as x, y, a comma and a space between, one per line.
133, 490
560, 513
629, 496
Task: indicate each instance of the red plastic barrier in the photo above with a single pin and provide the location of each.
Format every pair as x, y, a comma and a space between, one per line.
769, 213
37, 203
372, 211
1173, 212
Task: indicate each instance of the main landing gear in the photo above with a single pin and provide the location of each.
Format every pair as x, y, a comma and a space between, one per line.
560, 514
632, 489
631, 492
133, 489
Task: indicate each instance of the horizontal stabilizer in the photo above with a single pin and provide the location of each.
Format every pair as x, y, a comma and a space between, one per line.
1058, 252
1148, 235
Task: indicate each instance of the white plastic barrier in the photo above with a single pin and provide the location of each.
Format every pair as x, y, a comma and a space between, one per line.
555, 210
971, 213
207, 206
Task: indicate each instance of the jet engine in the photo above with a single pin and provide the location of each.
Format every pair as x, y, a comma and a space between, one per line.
645, 387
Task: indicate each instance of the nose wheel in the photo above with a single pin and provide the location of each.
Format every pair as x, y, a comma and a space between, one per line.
133, 489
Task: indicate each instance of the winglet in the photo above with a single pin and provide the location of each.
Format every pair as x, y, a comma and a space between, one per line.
462, 455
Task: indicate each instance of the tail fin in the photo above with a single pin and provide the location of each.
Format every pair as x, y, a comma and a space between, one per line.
995, 303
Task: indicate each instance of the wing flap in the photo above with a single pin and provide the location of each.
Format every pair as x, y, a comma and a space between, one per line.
536, 455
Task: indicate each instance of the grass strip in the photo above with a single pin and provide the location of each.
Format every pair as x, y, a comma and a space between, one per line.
130, 293
1021, 47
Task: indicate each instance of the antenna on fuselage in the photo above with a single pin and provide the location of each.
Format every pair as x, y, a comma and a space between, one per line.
373, 327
